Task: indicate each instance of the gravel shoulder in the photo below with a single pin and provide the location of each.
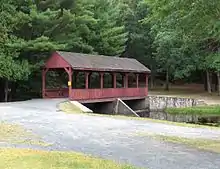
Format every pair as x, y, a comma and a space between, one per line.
111, 138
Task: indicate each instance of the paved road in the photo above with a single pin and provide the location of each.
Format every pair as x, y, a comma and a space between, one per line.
117, 139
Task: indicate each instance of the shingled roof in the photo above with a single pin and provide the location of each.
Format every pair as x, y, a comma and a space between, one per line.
102, 63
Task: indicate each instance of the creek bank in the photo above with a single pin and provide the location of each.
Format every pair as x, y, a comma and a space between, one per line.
160, 104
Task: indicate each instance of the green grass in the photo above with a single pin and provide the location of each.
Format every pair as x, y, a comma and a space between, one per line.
34, 159
203, 144
200, 110
11, 133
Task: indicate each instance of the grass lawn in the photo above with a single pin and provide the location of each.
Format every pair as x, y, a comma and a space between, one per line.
203, 144
200, 110
11, 133
11, 158
34, 159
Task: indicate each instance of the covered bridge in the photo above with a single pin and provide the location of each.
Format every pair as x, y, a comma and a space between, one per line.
116, 77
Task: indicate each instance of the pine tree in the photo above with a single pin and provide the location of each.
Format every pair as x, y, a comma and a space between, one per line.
109, 35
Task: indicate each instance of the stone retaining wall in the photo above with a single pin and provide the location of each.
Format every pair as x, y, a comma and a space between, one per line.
159, 103
174, 118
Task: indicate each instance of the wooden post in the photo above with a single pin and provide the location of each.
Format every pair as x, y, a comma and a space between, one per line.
87, 80
70, 73
209, 82
126, 80
137, 80
101, 80
114, 80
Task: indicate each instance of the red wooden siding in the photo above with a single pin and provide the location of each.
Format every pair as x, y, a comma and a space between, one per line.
90, 94
56, 61
56, 93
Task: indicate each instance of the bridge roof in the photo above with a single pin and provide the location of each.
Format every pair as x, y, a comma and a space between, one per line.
102, 63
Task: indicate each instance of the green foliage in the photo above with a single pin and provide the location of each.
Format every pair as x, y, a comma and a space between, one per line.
203, 110
177, 37
12, 69
186, 34
109, 34
30, 30
139, 44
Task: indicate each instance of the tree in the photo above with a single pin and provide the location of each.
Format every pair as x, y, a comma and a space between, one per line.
195, 25
139, 43
11, 67
109, 35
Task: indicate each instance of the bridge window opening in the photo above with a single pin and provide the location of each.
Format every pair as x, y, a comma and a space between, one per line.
108, 81
55, 83
56, 79
132, 83
79, 80
119, 80
94, 80
142, 80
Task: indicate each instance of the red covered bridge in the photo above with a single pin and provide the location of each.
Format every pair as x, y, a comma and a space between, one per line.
116, 77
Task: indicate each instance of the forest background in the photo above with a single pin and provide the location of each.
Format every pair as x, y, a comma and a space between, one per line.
179, 40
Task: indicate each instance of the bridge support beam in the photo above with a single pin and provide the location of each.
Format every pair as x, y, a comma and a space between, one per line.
114, 80
137, 80
70, 74
101, 80
87, 80
125, 77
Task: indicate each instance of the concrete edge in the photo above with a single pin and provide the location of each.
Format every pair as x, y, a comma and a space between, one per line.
72, 107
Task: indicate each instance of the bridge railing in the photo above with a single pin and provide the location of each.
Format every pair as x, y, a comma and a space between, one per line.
57, 93
106, 93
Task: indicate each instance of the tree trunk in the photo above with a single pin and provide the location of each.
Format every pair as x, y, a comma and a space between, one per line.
13, 87
203, 76
6, 90
151, 82
208, 82
167, 80
218, 79
152, 79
